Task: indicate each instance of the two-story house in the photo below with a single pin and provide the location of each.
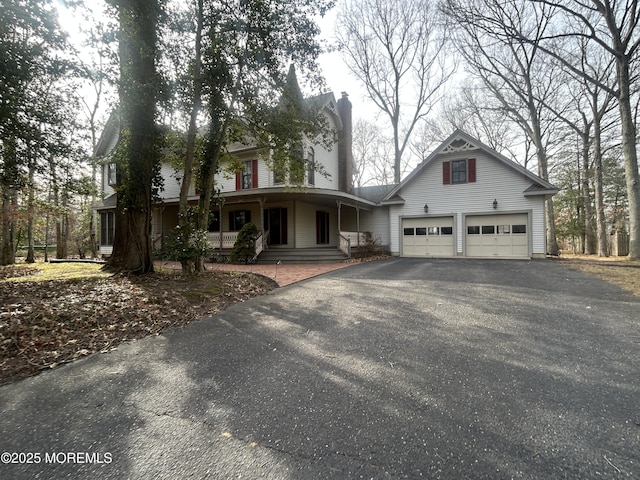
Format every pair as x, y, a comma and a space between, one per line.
465, 199
292, 218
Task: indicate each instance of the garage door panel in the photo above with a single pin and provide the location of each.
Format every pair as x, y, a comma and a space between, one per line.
501, 235
427, 237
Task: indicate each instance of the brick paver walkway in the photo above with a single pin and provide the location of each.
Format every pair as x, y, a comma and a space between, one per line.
284, 274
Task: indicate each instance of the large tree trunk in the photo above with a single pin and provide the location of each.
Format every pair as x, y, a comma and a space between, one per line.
630, 155
8, 250
132, 249
543, 172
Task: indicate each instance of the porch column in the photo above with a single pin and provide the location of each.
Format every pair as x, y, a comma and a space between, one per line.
358, 223
162, 226
262, 201
220, 205
339, 211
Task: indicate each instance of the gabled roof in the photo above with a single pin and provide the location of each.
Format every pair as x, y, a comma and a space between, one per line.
460, 141
325, 101
109, 136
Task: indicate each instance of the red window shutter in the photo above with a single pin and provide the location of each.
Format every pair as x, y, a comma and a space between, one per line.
446, 173
471, 165
239, 180
254, 173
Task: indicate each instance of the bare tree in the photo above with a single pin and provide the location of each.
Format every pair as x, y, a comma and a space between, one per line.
591, 104
397, 50
372, 155
476, 111
611, 27
514, 71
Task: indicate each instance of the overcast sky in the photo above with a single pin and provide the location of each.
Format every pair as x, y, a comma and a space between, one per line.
336, 73
338, 77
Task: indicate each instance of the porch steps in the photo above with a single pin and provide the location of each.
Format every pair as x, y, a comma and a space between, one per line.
301, 255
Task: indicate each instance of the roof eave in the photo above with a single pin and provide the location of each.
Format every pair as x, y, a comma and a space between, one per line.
546, 191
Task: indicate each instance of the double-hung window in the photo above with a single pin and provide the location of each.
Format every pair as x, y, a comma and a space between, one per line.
247, 178
459, 171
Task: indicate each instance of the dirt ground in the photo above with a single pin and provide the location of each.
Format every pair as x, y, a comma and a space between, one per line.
617, 270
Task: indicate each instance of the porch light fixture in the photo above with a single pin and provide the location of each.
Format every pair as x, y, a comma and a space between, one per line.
495, 203
426, 208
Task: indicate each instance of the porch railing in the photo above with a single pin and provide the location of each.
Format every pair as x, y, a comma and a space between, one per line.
227, 242
357, 238
259, 244
344, 244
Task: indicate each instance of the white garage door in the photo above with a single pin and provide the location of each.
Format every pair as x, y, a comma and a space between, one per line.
427, 237
497, 236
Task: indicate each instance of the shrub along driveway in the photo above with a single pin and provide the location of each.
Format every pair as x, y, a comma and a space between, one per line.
393, 369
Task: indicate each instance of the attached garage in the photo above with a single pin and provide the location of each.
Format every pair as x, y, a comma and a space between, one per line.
427, 237
504, 235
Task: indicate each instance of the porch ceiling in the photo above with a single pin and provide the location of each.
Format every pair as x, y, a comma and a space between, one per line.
283, 194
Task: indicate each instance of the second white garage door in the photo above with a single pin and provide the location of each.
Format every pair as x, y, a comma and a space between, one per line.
427, 237
503, 235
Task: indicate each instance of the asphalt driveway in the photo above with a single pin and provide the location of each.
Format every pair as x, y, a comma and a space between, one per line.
394, 369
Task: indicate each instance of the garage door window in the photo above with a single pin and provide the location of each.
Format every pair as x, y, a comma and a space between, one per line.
433, 230
519, 229
503, 229
446, 230
408, 231
473, 230
488, 230
421, 231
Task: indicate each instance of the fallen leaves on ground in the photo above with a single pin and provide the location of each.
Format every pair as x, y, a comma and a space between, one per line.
45, 324
619, 271
15, 271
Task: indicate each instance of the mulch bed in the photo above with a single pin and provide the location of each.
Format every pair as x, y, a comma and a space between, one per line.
45, 324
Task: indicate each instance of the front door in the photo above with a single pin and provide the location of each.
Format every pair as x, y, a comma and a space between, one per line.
275, 222
322, 228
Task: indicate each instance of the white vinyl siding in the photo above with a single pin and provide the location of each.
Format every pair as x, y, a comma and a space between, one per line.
376, 221
171, 185
305, 225
494, 180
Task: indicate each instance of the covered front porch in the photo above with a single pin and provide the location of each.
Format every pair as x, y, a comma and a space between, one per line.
287, 220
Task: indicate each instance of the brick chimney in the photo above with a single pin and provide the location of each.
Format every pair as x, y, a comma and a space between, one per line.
345, 143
